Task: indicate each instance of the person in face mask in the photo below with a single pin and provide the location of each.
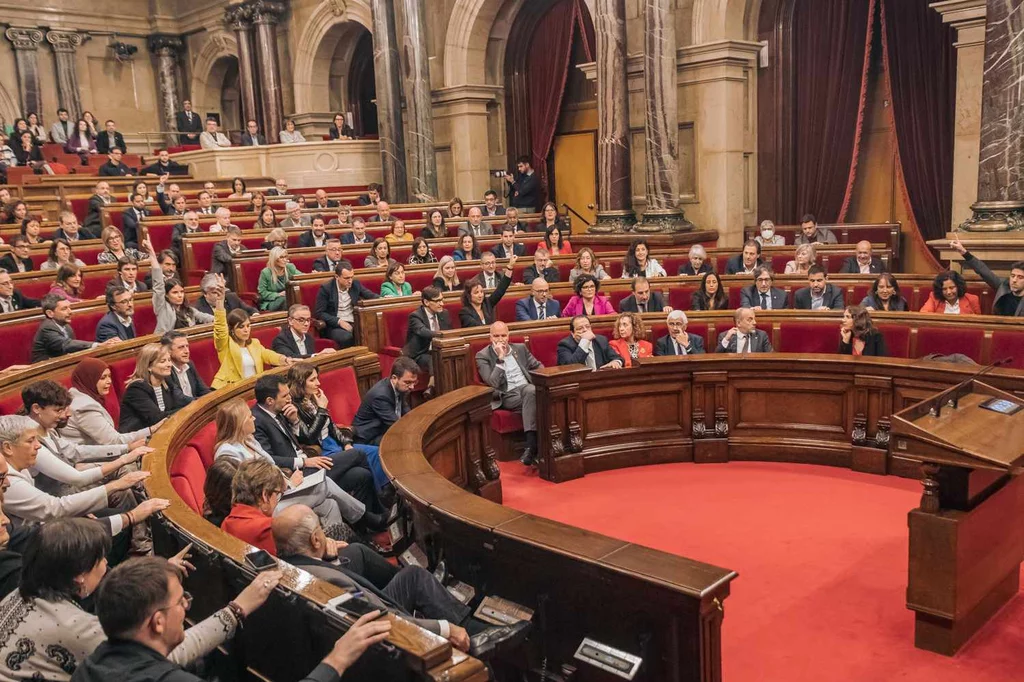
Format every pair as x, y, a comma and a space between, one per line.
767, 236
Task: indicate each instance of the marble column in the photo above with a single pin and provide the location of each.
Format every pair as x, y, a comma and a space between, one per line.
422, 158
65, 44
239, 17
26, 44
1000, 205
166, 48
614, 192
661, 121
265, 16
389, 101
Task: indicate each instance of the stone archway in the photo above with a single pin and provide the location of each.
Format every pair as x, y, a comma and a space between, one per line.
715, 20
330, 34
211, 65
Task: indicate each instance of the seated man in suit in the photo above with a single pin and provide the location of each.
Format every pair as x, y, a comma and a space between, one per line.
864, 262
251, 137
489, 270
336, 301
386, 402
224, 254
110, 139
127, 277
93, 219
131, 218
584, 347
332, 256
114, 168
183, 371
323, 203
20, 257
491, 205
316, 235
206, 206
678, 341
819, 294
295, 217
61, 130
1009, 298
761, 295
383, 212
541, 268
476, 225
295, 341
117, 323
643, 299
745, 337
506, 368
372, 196
70, 230
10, 298
164, 166
212, 138
188, 225
810, 233
424, 324
55, 337
212, 287
538, 305
745, 262
358, 234
513, 221
189, 124
280, 188
509, 246
167, 196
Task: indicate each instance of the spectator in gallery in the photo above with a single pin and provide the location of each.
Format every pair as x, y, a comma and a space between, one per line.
340, 129
62, 129
949, 296
524, 186
766, 235
110, 139
29, 154
629, 339
697, 262
212, 138
80, 141
710, 295
885, 295
252, 136
114, 167
290, 135
858, 336
189, 124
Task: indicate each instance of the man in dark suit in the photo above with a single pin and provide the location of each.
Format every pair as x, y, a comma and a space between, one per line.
322, 202
118, 322
678, 341
114, 168
491, 206
745, 337
55, 337
11, 299
506, 368
584, 347
336, 302
524, 188
386, 402
211, 286
164, 165
372, 196
316, 235
358, 234
294, 340
424, 324
109, 140
819, 294
643, 299
538, 305
383, 212
864, 262
93, 217
189, 225
541, 268
332, 256
476, 225
251, 137
224, 253
745, 262
508, 246
131, 218
19, 259
166, 197
70, 230
127, 277
183, 371
761, 295
513, 221
189, 124
280, 188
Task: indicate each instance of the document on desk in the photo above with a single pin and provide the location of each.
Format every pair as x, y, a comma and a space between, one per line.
314, 479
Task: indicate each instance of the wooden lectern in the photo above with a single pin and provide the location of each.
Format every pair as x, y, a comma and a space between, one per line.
967, 537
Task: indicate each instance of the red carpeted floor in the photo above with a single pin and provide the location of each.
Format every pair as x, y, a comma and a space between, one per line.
822, 558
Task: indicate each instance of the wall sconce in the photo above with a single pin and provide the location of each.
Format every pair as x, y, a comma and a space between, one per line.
123, 52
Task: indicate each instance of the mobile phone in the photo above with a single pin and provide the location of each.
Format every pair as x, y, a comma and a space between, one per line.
260, 560
358, 607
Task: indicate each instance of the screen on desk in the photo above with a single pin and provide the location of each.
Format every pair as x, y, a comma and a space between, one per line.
1002, 406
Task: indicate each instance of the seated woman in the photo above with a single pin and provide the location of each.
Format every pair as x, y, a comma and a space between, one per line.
421, 253
639, 262
238, 190
90, 422
697, 262
266, 219
629, 339
68, 284
274, 280
60, 254
217, 490
394, 282
257, 203
32, 229
240, 355
885, 295
549, 218
858, 336
48, 633
586, 264
380, 254
804, 257
290, 135
170, 305
710, 295
949, 296
80, 141
447, 277
278, 237
116, 250
467, 248
142, 189
398, 233
340, 129
435, 227
557, 244
28, 153
478, 307
148, 398
455, 208
586, 301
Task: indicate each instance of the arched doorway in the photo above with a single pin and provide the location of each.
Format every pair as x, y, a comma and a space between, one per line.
362, 89
217, 93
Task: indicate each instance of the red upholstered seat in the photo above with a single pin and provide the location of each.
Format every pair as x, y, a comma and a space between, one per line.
735, 295
544, 346
859, 292
949, 340
897, 339
120, 370
679, 297
204, 357
1008, 344
17, 346
506, 421
188, 476
342, 391
84, 322
417, 280
808, 337
247, 275
204, 441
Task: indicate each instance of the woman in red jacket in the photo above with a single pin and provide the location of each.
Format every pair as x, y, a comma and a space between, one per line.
629, 339
949, 296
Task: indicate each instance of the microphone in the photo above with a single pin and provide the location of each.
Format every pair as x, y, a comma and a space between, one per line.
952, 395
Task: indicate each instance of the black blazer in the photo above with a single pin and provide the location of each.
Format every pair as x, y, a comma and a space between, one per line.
326, 308
664, 346
530, 274
346, 130
851, 266
139, 408
735, 264
276, 437
19, 302
93, 221
52, 341
418, 335
247, 140
306, 239
103, 143
186, 126
687, 268
349, 237
874, 345
112, 170
750, 297
199, 387
321, 264
130, 226
524, 191
570, 353
284, 343
109, 327
655, 304
331, 203
170, 168
468, 316
231, 301
517, 249
440, 284
10, 264
833, 298
697, 303
377, 412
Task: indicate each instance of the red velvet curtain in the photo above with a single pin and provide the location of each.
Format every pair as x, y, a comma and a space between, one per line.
548, 67
831, 56
920, 63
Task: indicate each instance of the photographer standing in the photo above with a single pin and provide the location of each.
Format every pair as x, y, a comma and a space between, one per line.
524, 188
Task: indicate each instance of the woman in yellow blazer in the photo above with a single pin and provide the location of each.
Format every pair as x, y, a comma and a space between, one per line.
241, 356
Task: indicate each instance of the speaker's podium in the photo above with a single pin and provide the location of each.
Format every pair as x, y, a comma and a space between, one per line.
967, 537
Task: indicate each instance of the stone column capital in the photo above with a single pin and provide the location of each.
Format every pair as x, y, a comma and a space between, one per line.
165, 43
24, 38
266, 11
239, 17
65, 41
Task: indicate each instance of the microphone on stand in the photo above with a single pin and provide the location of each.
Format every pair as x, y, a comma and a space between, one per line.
952, 396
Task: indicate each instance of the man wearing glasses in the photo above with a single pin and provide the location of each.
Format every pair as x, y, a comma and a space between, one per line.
761, 295
424, 324
295, 341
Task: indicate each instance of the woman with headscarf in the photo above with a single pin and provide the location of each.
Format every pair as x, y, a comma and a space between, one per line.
91, 421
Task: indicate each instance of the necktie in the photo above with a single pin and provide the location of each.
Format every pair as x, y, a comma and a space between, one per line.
642, 307
746, 344
591, 360
433, 323
679, 349
543, 311
764, 301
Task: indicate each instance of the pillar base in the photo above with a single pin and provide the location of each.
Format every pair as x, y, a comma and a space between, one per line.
665, 220
995, 216
613, 221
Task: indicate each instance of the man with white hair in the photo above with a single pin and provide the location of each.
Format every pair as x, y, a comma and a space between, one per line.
678, 341
223, 216
212, 287
279, 189
295, 217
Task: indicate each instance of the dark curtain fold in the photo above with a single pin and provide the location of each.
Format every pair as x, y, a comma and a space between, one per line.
831, 56
548, 66
920, 63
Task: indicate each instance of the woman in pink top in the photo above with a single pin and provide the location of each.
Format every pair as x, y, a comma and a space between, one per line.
586, 301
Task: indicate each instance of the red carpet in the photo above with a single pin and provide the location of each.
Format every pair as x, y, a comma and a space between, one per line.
822, 558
